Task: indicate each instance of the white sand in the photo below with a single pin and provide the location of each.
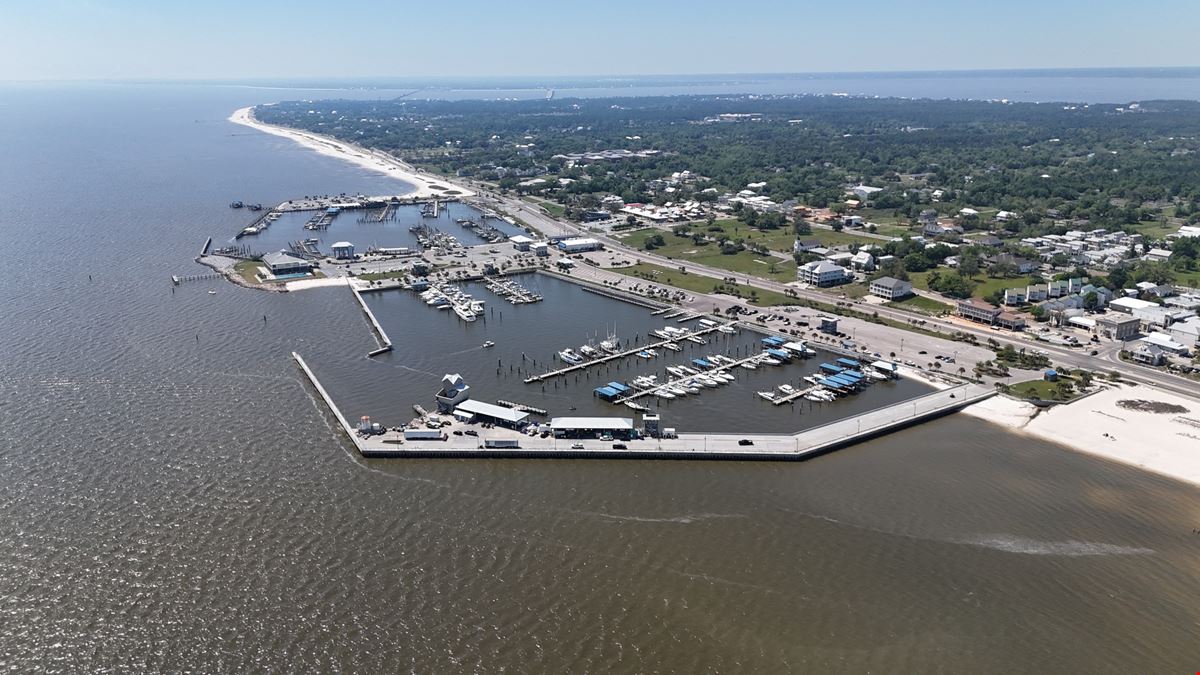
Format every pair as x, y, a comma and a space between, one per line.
303, 284
426, 186
1165, 443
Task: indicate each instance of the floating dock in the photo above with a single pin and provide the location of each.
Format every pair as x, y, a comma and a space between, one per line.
613, 357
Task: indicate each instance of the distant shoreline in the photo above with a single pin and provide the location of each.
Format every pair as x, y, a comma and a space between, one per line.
426, 186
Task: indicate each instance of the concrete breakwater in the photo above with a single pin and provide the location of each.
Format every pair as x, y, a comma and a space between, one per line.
802, 445
385, 343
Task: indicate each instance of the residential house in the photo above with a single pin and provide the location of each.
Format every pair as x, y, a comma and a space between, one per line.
889, 288
863, 261
1148, 354
805, 245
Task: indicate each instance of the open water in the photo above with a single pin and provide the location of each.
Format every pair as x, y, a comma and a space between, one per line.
175, 499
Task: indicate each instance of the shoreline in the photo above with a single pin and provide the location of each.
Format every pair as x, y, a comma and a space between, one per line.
426, 186
1155, 442
1165, 443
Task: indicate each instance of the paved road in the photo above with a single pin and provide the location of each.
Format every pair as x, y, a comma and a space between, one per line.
1074, 358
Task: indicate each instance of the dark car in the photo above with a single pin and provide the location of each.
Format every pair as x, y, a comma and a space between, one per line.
471, 432
922, 352
745, 441
620, 446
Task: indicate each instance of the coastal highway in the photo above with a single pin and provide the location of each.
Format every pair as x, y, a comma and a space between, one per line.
1107, 359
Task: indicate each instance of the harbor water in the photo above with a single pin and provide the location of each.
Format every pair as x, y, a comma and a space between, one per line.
175, 498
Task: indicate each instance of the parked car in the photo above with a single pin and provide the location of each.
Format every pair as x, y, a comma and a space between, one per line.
745, 441
577, 446
620, 446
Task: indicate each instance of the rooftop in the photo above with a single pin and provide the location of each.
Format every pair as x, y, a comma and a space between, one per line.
495, 411
611, 423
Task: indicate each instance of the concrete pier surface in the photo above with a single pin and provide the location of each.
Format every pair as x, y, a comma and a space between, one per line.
385, 343
801, 445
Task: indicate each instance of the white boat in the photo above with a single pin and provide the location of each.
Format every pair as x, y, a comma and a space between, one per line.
489, 343
723, 376
645, 381
727, 329
786, 389
673, 347
876, 375
662, 333
688, 370
211, 292
812, 396
464, 312
589, 351
812, 379
768, 361
663, 393
692, 389
612, 345
697, 339
749, 365
706, 381
678, 391
769, 395
570, 356
636, 406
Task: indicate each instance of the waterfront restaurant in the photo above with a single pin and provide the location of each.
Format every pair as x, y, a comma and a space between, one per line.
283, 263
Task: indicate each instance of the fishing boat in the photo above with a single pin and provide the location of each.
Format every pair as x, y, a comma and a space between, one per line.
589, 351
612, 345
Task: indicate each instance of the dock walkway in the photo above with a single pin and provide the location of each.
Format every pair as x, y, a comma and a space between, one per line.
613, 357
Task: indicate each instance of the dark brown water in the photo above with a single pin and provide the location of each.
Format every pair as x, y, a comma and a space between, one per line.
174, 499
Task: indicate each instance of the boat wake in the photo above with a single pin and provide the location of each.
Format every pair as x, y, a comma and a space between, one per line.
684, 519
1070, 548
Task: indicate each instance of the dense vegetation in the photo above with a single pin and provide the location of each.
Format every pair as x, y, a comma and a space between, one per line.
1105, 163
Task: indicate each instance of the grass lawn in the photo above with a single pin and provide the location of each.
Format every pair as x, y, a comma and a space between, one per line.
555, 209
918, 303
1154, 230
376, 276
1047, 391
248, 270
742, 262
1188, 278
984, 285
702, 284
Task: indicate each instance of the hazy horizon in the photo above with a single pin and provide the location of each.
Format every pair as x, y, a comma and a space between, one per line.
88, 40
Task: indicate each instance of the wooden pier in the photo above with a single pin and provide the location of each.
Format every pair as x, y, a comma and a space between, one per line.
522, 407
613, 357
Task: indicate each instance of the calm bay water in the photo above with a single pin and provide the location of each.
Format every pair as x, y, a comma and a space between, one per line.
174, 498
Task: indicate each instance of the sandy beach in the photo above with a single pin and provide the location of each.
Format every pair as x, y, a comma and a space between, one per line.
427, 186
1145, 427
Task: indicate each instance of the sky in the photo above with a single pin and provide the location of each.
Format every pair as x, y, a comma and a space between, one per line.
263, 39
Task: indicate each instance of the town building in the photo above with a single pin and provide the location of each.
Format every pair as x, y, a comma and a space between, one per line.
822, 273
890, 288
579, 245
1117, 326
1187, 332
977, 310
521, 242
1166, 343
343, 250
615, 428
